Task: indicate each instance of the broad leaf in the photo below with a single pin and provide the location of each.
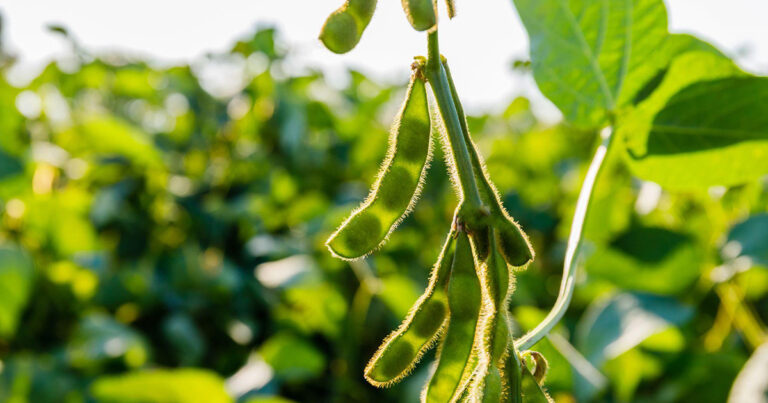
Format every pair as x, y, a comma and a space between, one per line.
9, 165
585, 53
16, 274
99, 341
648, 259
161, 386
613, 327
749, 238
292, 358
642, 81
660, 151
710, 133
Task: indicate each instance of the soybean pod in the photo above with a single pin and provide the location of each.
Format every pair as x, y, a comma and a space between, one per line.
455, 356
488, 385
399, 181
401, 350
451, 8
422, 14
345, 26
493, 391
513, 243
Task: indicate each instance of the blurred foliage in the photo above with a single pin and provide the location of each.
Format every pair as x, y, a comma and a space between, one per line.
162, 229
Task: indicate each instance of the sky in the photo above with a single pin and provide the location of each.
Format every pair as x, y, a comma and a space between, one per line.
480, 43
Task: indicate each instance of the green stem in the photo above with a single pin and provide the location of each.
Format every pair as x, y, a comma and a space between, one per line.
437, 79
574, 241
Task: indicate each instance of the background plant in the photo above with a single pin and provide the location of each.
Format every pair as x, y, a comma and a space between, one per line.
143, 263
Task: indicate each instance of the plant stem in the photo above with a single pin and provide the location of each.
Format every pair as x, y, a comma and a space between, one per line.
574, 241
439, 83
741, 315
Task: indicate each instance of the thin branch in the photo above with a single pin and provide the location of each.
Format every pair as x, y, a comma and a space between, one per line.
574, 241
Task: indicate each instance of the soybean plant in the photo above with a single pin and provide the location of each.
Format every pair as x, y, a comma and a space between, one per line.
637, 83
464, 307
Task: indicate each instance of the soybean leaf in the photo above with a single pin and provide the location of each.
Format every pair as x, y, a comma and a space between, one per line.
642, 81
16, 274
585, 52
269, 399
610, 328
751, 384
9, 165
100, 341
161, 386
648, 259
292, 358
710, 133
749, 238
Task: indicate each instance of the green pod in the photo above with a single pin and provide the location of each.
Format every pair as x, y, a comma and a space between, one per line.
493, 390
457, 353
481, 241
513, 242
363, 10
496, 330
398, 184
422, 14
497, 283
512, 376
402, 349
451, 8
345, 26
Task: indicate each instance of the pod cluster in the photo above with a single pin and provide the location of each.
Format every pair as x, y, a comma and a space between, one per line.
463, 310
345, 26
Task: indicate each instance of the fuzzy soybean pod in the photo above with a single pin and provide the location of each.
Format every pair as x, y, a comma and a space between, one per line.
455, 356
512, 241
493, 390
496, 334
345, 26
422, 14
402, 349
451, 8
399, 181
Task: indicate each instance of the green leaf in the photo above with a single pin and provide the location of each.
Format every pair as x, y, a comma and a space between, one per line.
110, 136
751, 384
585, 52
648, 259
313, 308
9, 165
16, 274
610, 328
749, 238
292, 358
161, 386
100, 340
269, 399
710, 133
642, 81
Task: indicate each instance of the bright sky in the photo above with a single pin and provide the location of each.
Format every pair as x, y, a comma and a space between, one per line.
480, 43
